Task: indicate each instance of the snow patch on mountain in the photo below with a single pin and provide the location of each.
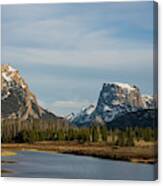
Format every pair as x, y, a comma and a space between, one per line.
11, 69
148, 101
70, 117
88, 110
125, 86
6, 77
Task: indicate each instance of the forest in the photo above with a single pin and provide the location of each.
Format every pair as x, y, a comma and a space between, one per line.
31, 131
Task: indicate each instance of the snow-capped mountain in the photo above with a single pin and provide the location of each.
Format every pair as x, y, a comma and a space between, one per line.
16, 98
85, 116
115, 100
70, 117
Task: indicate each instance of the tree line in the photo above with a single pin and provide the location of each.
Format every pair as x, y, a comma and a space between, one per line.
16, 131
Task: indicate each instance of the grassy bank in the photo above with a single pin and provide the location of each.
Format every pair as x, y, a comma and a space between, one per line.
7, 153
141, 153
6, 171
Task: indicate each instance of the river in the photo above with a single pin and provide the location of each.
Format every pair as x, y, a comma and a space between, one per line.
54, 165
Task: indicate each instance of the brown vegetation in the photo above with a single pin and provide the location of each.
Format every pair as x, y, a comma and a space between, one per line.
144, 154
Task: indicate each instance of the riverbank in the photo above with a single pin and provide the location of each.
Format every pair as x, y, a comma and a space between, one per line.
138, 154
8, 153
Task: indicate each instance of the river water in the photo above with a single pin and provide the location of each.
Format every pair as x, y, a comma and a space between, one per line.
53, 165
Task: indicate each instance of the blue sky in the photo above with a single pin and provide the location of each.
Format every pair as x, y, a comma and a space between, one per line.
65, 52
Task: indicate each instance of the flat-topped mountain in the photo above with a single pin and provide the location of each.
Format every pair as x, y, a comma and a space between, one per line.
17, 101
115, 100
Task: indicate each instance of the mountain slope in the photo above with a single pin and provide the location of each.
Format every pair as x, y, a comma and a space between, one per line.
140, 118
17, 101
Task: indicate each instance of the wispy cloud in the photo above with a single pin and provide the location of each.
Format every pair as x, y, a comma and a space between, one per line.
96, 58
66, 51
65, 106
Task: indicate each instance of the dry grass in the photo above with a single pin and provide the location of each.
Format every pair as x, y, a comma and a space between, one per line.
142, 143
6, 171
8, 153
145, 154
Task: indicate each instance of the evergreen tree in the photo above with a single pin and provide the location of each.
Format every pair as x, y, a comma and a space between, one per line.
95, 134
104, 133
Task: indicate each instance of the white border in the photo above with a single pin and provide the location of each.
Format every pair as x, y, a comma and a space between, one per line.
58, 1
62, 182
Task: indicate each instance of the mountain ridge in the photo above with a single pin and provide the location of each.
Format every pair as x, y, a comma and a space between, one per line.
116, 100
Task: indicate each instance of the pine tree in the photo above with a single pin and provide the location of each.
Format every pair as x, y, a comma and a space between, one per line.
104, 133
95, 134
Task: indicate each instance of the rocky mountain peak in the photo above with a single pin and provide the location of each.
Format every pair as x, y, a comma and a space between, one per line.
11, 76
115, 99
119, 94
16, 98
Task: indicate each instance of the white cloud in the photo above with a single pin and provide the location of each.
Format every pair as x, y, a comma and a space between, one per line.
94, 38
74, 104
110, 59
64, 107
74, 40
